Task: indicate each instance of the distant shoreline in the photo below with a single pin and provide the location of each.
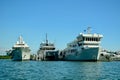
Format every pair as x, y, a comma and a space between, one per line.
5, 57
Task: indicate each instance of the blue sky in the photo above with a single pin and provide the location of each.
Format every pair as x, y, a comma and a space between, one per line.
63, 20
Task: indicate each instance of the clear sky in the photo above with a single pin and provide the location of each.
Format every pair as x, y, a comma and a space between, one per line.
63, 20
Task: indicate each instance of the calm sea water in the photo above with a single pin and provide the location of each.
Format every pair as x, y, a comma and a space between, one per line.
59, 70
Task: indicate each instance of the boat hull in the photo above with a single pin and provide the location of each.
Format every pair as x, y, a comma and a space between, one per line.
21, 54
51, 55
90, 54
48, 55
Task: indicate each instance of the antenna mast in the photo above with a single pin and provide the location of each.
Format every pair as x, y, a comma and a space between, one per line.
20, 40
46, 39
89, 30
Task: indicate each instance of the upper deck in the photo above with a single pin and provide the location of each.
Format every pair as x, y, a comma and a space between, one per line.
20, 43
47, 46
89, 37
86, 39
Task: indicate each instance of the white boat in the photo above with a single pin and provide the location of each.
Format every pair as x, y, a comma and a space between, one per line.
86, 47
47, 51
21, 50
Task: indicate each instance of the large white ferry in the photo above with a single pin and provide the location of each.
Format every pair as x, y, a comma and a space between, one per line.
86, 47
47, 51
20, 51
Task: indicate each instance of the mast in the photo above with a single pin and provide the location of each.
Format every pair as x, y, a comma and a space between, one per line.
88, 30
21, 40
46, 39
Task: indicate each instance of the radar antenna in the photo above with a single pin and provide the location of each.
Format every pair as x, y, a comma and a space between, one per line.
89, 30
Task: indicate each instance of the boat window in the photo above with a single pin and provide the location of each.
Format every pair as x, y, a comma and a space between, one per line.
90, 44
90, 39
97, 39
83, 38
87, 39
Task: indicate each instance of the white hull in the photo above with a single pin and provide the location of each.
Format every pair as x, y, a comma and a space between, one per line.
90, 54
21, 54
86, 47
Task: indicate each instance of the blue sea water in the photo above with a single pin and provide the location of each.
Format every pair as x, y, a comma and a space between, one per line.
59, 70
